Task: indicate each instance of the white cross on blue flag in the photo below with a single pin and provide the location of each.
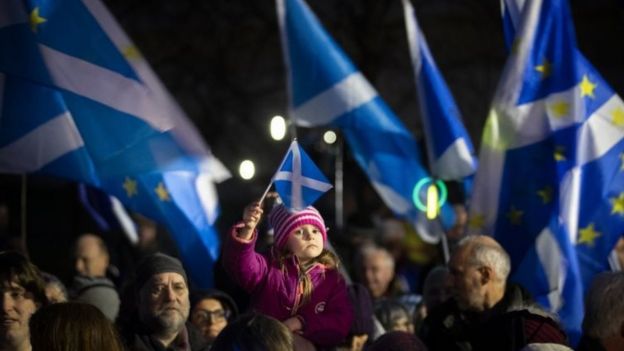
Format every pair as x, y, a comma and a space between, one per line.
298, 180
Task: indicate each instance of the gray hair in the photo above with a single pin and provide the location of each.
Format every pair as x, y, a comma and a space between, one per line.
487, 252
604, 305
371, 249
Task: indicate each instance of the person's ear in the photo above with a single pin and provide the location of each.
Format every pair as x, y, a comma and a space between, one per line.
486, 274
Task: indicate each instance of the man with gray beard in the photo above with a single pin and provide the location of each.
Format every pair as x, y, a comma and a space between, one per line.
155, 311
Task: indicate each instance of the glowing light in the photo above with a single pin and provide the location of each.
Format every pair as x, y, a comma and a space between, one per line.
247, 169
329, 137
432, 201
278, 128
440, 187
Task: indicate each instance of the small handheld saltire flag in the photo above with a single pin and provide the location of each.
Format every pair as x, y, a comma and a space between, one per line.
298, 181
327, 89
450, 151
550, 186
78, 101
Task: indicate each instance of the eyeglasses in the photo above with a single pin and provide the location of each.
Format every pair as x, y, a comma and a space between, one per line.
205, 316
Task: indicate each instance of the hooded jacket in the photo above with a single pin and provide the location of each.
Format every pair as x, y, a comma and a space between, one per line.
326, 317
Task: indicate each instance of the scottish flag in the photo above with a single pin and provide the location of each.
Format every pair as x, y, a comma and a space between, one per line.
450, 151
78, 101
550, 185
327, 90
298, 181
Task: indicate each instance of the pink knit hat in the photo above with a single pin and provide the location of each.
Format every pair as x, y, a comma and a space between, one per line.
283, 221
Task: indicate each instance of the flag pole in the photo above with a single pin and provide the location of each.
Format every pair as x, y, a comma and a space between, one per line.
23, 207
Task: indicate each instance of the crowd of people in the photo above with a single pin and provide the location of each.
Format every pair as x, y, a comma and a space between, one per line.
299, 292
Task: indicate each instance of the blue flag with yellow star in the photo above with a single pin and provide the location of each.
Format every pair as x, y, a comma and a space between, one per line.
326, 89
550, 186
78, 101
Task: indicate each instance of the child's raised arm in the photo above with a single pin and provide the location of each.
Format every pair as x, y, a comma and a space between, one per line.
251, 218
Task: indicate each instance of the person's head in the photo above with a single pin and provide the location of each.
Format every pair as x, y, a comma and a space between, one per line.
72, 326
162, 294
461, 220
211, 310
479, 267
604, 310
436, 288
254, 332
301, 233
393, 316
91, 256
375, 266
398, 341
55, 290
22, 294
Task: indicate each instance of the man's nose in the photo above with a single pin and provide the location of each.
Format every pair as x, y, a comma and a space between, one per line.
7, 302
169, 293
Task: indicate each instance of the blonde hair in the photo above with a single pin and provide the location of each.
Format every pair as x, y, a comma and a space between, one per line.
327, 259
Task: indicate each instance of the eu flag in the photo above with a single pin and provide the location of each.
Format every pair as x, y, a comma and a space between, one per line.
550, 186
78, 101
327, 89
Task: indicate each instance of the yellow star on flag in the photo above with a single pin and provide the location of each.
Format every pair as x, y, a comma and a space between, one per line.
545, 69
559, 153
36, 19
560, 109
131, 52
476, 221
618, 204
130, 186
515, 216
545, 194
162, 192
587, 87
588, 235
617, 117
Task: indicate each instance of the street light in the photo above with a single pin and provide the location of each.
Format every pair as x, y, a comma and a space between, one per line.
278, 127
329, 137
247, 169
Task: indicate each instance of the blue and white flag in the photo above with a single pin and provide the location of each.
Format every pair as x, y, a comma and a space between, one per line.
327, 90
450, 151
298, 181
78, 101
550, 186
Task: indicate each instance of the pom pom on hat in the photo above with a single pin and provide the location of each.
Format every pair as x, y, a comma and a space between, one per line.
283, 221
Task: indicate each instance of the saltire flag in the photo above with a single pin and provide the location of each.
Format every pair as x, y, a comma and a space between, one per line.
326, 89
550, 186
298, 181
78, 101
450, 150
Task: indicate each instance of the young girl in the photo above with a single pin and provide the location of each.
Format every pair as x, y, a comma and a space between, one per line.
297, 282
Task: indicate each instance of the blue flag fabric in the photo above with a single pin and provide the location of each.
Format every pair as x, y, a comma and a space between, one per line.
78, 101
550, 185
450, 150
327, 90
298, 181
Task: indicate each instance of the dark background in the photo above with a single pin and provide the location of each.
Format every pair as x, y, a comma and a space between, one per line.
222, 61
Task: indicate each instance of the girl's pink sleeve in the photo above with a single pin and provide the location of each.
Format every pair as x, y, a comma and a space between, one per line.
242, 262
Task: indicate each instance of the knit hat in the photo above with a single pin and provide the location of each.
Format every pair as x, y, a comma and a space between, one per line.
156, 264
283, 222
